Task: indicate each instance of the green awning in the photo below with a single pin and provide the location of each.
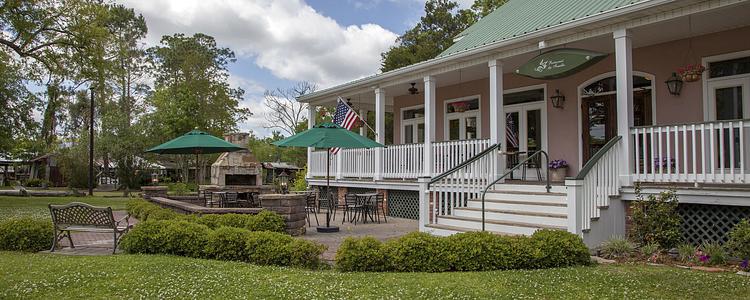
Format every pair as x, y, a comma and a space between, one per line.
559, 63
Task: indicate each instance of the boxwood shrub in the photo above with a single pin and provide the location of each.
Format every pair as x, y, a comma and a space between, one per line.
25, 234
418, 252
263, 221
184, 238
361, 255
227, 243
557, 248
473, 251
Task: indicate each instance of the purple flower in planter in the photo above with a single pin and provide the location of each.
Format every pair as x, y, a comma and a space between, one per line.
558, 164
745, 263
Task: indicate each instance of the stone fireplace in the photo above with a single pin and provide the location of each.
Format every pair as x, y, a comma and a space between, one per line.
239, 168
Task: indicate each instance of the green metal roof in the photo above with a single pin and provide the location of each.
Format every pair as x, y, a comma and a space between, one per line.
521, 17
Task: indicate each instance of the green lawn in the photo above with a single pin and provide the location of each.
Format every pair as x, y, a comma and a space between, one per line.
44, 276
37, 206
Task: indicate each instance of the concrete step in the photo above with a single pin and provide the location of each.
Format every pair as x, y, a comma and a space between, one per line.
443, 230
544, 218
527, 196
521, 205
505, 227
537, 187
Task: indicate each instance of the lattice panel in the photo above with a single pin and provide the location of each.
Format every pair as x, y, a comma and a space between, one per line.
709, 222
403, 204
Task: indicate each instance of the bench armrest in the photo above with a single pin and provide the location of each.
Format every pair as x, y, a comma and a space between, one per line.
126, 218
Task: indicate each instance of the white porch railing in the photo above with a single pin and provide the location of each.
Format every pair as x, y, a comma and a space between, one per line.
359, 163
455, 187
590, 190
317, 164
403, 161
399, 161
712, 152
452, 153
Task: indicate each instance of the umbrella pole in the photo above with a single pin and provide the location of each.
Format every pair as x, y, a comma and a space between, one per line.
328, 187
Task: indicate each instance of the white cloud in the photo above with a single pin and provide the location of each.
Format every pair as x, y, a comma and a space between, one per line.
287, 37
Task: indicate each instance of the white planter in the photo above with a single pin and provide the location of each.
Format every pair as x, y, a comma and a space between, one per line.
558, 174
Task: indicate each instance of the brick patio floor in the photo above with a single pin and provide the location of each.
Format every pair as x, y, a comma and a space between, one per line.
101, 244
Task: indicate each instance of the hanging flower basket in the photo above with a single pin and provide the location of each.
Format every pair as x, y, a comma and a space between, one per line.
460, 106
691, 73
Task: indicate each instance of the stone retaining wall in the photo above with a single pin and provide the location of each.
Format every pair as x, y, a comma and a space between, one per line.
289, 206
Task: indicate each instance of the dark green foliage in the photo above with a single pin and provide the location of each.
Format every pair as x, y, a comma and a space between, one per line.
267, 221
305, 254
36, 182
162, 214
263, 221
144, 238
184, 238
268, 248
227, 243
480, 251
655, 219
715, 253
739, 240
473, 251
25, 234
557, 248
418, 252
361, 255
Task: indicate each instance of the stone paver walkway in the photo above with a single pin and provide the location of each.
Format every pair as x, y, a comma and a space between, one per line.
395, 227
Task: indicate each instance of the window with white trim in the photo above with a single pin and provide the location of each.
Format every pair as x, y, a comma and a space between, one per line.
462, 119
412, 124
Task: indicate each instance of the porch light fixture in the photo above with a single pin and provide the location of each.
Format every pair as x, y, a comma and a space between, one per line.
674, 84
413, 90
558, 101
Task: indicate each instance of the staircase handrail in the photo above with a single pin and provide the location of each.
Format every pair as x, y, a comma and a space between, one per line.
549, 187
463, 164
595, 159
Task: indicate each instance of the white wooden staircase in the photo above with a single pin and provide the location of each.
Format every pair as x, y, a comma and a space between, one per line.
510, 209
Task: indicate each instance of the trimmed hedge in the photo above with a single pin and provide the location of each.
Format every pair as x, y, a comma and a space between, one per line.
263, 221
472, 251
183, 238
26, 234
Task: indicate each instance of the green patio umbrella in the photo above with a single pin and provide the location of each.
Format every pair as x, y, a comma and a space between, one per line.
328, 135
195, 142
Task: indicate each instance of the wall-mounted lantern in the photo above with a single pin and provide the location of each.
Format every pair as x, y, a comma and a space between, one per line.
674, 84
558, 101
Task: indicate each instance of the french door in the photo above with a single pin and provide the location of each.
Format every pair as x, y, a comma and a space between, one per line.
599, 115
526, 132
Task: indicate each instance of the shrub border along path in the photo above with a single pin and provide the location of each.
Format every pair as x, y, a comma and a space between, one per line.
44, 276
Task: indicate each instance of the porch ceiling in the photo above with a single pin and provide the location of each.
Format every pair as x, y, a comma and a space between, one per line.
716, 20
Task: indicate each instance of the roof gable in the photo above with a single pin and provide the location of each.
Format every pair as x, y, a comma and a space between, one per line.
520, 17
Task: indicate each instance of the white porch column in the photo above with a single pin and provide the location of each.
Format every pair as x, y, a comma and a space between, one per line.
363, 128
311, 111
379, 131
624, 74
497, 112
429, 124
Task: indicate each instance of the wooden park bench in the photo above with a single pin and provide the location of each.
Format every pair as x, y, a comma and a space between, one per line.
82, 217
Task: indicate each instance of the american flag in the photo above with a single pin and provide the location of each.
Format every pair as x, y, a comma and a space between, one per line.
344, 117
510, 131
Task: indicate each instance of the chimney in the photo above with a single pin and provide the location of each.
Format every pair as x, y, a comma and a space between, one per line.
240, 138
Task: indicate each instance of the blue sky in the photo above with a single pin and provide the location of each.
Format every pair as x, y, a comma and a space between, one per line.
280, 42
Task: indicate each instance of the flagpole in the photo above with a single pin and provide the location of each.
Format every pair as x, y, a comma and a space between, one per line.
358, 116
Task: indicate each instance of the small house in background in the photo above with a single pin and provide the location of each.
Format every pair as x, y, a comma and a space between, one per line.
46, 167
12, 170
272, 170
